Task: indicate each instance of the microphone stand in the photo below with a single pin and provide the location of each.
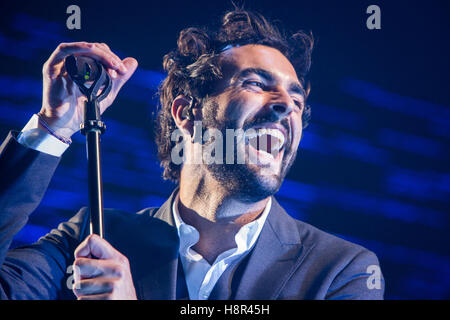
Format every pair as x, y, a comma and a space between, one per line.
92, 127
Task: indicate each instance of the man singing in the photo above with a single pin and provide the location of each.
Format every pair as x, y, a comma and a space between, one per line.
221, 234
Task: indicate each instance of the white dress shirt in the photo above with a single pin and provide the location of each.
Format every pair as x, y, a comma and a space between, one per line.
41, 140
201, 277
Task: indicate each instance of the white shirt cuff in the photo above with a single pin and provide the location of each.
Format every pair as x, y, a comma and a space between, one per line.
40, 140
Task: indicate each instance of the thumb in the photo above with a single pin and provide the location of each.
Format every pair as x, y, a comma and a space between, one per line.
95, 246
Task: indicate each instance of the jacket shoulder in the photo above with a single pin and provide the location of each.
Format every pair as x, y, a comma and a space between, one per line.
344, 270
313, 236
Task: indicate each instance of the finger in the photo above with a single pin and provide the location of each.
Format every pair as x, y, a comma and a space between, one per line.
85, 268
112, 73
93, 286
83, 48
131, 65
118, 81
106, 57
104, 296
107, 50
93, 245
103, 45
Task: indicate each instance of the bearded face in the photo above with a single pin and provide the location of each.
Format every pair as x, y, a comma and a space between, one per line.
258, 108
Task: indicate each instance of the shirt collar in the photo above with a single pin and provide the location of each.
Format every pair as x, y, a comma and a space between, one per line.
245, 238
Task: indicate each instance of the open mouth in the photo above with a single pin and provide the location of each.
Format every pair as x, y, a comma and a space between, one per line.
267, 141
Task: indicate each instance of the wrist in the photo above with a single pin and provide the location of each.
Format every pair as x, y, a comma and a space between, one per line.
59, 133
56, 126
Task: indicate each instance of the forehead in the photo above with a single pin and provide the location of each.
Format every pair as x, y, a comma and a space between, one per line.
258, 57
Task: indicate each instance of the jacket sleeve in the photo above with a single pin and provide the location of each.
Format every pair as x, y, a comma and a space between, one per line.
360, 279
43, 270
35, 271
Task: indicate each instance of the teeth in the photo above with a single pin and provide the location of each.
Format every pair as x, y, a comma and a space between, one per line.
250, 134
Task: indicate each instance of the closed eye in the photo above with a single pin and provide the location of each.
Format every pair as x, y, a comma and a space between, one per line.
254, 83
299, 103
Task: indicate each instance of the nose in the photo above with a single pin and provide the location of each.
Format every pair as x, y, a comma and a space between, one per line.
281, 105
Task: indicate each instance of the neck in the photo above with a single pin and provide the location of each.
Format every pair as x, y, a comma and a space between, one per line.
214, 212
203, 195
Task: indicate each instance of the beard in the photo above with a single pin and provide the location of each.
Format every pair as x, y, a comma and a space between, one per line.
244, 181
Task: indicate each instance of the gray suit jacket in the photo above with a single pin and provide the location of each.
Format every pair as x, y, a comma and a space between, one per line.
290, 260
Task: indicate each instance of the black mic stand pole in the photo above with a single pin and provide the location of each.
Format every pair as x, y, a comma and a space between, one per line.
92, 127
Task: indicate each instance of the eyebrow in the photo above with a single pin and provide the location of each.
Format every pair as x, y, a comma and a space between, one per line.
268, 76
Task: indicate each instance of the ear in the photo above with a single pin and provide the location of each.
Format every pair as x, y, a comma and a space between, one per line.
179, 105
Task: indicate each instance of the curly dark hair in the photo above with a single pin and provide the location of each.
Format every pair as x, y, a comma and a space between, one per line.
193, 68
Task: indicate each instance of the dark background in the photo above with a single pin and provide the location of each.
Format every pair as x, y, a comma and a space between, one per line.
373, 166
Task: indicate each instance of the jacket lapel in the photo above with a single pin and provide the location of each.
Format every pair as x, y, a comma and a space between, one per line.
160, 279
276, 255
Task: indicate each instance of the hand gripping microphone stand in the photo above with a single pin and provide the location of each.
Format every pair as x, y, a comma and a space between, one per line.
84, 70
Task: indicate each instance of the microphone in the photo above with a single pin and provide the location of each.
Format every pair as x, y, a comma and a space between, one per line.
89, 74
82, 69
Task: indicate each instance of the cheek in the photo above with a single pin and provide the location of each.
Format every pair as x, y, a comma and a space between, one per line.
297, 129
239, 107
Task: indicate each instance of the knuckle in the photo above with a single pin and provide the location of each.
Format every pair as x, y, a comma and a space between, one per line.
62, 46
79, 266
109, 286
76, 289
78, 262
45, 67
123, 260
87, 45
116, 285
92, 238
118, 271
